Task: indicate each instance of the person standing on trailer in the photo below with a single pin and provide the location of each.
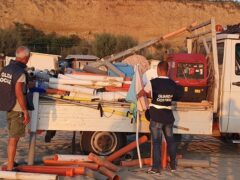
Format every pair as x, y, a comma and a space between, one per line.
163, 91
13, 90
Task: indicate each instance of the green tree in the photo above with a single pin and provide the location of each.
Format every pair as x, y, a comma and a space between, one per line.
125, 42
9, 40
104, 44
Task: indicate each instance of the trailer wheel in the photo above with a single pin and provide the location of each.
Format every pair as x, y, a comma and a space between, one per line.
101, 142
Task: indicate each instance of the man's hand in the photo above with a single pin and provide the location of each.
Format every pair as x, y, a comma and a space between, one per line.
26, 118
141, 93
22, 101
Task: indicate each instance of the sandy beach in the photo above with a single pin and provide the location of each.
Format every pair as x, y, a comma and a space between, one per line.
224, 158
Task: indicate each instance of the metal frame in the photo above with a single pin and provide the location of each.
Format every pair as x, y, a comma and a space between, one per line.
212, 52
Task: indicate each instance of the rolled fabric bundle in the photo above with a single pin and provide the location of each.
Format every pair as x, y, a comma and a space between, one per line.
137, 59
94, 77
72, 88
61, 76
84, 82
111, 96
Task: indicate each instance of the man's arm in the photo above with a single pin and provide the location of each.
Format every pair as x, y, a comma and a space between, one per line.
146, 91
22, 101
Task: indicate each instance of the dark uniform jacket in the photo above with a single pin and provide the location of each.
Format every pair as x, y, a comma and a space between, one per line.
164, 91
9, 76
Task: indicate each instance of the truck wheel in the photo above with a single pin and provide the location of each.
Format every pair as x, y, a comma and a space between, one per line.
101, 142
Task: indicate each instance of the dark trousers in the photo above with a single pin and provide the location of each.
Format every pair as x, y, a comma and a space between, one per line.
156, 129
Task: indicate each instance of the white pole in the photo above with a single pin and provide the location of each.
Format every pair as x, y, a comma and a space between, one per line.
137, 137
26, 176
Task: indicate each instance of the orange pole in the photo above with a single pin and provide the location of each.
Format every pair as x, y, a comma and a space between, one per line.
59, 170
111, 175
169, 35
79, 171
126, 149
47, 170
52, 162
103, 162
145, 161
164, 153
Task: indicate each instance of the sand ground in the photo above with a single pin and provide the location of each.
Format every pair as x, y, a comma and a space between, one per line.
224, 158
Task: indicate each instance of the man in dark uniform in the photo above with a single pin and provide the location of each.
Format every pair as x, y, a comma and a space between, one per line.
162, 90
13, 87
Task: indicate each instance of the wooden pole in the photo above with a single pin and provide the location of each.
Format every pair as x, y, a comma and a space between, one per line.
26, 176
193, 163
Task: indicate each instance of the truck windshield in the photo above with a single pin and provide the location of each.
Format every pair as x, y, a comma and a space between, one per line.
190, 71
237, 61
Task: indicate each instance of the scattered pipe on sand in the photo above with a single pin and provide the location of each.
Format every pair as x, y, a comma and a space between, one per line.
111, 175
59, 170
135, 162
52, 162
26, 176
63, 157
103, 162
126, 149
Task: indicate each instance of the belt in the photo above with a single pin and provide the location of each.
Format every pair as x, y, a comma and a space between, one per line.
160, 106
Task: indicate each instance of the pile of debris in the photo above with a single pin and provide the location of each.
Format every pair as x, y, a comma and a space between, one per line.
94, 166
74, 165
88, 87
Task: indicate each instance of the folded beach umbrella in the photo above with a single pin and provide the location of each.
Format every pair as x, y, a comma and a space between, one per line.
141, 104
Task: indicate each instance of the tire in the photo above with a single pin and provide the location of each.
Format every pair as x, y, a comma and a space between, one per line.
102, 143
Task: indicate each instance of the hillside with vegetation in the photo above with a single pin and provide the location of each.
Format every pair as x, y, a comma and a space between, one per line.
73, 26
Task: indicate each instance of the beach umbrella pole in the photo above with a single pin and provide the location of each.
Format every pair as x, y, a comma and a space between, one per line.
137, 135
